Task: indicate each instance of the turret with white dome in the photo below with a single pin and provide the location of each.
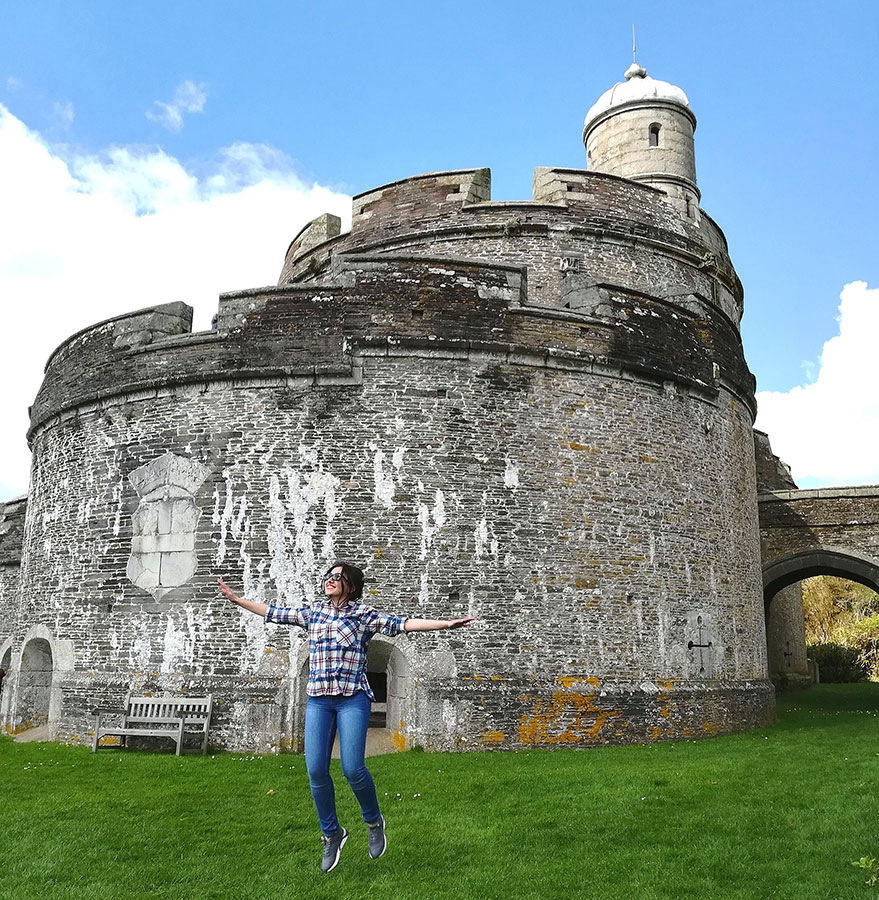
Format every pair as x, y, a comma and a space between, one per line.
642, 129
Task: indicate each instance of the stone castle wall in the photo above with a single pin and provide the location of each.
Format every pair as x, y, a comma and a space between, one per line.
538, 414
582, 482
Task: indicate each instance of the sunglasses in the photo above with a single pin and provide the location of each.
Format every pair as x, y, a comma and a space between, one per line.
334, 576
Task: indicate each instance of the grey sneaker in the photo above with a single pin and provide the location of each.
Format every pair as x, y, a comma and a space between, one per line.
378, 843
332, 849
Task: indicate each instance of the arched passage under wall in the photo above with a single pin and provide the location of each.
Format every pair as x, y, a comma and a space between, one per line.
778, 575
783, 602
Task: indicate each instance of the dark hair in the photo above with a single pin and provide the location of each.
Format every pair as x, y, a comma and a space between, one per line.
352, 576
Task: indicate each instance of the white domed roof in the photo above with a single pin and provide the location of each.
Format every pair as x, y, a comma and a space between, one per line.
638, 86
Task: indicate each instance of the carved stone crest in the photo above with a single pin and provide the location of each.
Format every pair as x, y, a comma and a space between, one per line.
163, 541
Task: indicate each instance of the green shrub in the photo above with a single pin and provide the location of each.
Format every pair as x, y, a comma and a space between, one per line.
863, 637
838, 664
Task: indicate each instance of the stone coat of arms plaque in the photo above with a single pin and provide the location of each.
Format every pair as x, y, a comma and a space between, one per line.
163, 553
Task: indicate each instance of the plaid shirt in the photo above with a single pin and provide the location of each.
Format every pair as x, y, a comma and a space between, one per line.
337, 643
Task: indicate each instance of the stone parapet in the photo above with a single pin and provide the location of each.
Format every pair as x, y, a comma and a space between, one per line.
318, 330
620, 231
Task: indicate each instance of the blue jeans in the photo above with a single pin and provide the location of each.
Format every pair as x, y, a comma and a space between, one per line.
323, 715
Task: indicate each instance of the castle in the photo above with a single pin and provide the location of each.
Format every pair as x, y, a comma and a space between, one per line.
537, 413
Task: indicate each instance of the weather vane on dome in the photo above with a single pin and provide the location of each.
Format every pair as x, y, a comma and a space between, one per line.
634, 57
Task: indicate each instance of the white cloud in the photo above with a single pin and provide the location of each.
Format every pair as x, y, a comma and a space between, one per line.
828, 431
188, 97
84, 238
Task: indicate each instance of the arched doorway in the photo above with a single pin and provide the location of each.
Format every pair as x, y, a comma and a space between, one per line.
6, 682
34, 684
387, 669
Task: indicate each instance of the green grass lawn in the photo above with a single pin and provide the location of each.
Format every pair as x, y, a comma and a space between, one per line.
778, 812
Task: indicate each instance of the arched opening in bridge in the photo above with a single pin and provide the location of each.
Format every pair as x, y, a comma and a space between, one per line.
35, 684
787, 622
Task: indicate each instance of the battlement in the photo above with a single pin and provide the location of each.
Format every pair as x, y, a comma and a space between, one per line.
377, 304
594, 219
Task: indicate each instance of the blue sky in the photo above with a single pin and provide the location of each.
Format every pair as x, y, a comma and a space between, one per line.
221, 127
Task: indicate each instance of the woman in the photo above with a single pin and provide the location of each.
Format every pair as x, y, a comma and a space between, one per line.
339, 630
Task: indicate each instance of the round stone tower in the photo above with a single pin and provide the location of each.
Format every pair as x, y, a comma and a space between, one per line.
642, 129
536, 413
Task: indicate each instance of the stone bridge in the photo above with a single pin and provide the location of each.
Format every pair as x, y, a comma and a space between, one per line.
827, 531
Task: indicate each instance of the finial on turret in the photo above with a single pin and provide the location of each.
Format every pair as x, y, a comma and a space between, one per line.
634, 70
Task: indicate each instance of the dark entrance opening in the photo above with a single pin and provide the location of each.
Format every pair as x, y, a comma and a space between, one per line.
378, 681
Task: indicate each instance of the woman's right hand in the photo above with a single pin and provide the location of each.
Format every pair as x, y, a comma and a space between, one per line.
228, 591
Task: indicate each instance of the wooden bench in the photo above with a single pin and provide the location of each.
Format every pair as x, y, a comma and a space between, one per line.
168, 717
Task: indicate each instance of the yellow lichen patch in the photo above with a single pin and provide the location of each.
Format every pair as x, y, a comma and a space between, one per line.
709, 728
494, 737
399, 737
648, 459
378, 552
663, 698
584, 718
654, 732
575, 446
570, 680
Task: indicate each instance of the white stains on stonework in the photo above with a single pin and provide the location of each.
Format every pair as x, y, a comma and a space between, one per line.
474, 607
511, 476
51, 515
83, 511
423, 594
661, 614
431, 521
113, 471
254, 642
397, 458
293, 528
652, 550
384, 484
141, 648
223, 519
486, 541
177, 650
